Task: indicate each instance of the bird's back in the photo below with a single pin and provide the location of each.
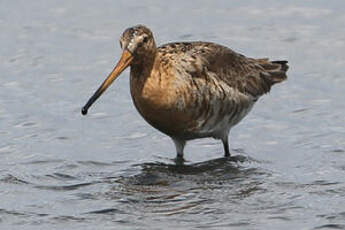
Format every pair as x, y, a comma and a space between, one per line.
215, 86
247, 75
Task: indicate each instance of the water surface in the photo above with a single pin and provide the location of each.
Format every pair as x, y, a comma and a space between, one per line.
111, 170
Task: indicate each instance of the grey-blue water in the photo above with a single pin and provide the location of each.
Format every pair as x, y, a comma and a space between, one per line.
111, 170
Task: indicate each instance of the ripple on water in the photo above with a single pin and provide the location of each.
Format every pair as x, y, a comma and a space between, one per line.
106, 211
12, 180
64, 187
48, 161
330, 226
62, 176
171, 189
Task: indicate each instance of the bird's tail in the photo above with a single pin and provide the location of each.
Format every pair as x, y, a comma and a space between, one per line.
277, 71
271, 72
274, 71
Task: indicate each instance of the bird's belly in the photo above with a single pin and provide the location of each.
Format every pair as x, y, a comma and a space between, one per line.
190, 122
219, 124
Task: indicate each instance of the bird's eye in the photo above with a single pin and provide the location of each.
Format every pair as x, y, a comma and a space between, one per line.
145, 39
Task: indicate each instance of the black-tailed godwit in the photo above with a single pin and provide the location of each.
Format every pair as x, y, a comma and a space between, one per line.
190, 90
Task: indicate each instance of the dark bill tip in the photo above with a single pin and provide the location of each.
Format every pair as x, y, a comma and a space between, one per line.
84, 111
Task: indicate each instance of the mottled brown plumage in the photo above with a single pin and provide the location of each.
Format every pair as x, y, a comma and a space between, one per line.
191, 90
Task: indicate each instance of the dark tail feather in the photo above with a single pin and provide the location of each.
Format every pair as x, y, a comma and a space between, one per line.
278, 74
271, 72
284, 66
280, 62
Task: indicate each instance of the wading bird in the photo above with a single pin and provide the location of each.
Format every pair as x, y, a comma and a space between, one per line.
190, 90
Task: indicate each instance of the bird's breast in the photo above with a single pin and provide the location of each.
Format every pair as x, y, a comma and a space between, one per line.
158, 100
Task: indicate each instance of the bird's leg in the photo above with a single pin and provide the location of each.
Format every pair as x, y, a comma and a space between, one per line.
179, 144
226, 146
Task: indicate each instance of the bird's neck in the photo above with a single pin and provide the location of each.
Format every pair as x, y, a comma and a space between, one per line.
144, 65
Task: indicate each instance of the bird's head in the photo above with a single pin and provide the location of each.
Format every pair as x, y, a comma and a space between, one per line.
138, 40
137, 44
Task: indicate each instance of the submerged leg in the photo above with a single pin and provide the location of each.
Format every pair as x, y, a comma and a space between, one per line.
179, 144
226, 146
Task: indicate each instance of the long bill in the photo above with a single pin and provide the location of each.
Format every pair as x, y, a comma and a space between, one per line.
124, 62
